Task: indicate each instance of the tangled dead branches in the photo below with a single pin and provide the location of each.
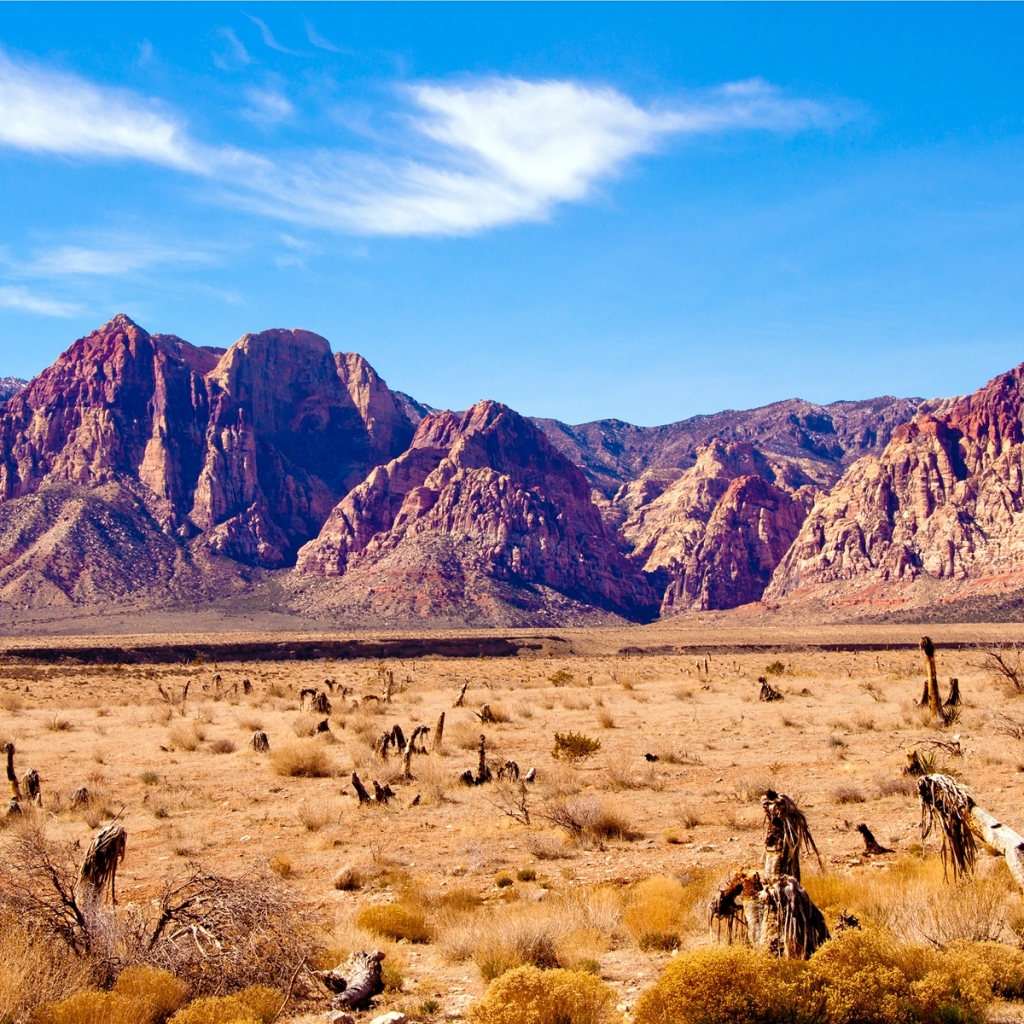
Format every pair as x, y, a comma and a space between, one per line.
787, 832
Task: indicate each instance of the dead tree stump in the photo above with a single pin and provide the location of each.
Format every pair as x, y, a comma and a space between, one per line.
953, 700
871, 845
356, 982
246, 687
12, 776
931, 684
912, 764
33, 789
768, 692
259, 742
382, 794
462, 695
410, 747
439, 733
98, 870
364, 797
397, 736
80, 798
484, 714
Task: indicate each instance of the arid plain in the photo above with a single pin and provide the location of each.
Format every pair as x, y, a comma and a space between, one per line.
672, 794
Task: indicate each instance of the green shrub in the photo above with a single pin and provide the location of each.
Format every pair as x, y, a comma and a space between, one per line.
574, 747
561, 678
528, 995
395, 921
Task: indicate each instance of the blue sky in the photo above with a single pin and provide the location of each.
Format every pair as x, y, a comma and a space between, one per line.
632, 211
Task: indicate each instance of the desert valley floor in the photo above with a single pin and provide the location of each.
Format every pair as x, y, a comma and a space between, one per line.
189, 788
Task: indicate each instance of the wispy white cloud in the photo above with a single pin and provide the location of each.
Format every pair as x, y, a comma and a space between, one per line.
29, 302
116, 258
236, 55
268, 37
48, 112
505, 151
267, 106
467, 157
320, 41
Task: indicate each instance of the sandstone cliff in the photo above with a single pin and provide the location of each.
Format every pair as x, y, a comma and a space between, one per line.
936, 516
480, 509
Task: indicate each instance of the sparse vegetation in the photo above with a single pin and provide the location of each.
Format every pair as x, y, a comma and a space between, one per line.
574, 747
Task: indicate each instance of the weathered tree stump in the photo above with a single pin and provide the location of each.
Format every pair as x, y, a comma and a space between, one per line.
953, 700
80, 798
462, 695
930, 696
98, 870
323, 727
246, 687
786, 833
364, 797
410, 747
871, 845
33, 788
356, 981
485, 714
912, 764
439, 733
509, 770
12, 776
768, 692
259, 742
382, 794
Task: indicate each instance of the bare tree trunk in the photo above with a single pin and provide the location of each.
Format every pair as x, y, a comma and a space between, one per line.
953, 700
462, 695
12, 777
364, 797
932, 683
439, 733
33, 789
1000, 837
871, 845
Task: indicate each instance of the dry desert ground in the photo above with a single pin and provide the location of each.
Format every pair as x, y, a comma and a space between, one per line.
686, 750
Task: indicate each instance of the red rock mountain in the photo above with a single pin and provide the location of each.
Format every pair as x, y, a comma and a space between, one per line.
139, 468
937, 516
479, 502
711, 538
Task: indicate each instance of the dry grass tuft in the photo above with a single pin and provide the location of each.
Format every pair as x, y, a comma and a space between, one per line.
304, 758
395, 921
223, 746
847, 795
186, 735
316, 812
258, 1003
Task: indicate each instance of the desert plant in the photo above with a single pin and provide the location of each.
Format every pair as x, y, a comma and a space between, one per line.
258, 1004
776, 668
574, 747
304, 758
546, 997
587, 819
347, 879
395, 921
318, 811
222, 746
186, 735
561, 677
847, 795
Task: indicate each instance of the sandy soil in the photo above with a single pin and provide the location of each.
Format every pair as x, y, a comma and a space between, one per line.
836, 742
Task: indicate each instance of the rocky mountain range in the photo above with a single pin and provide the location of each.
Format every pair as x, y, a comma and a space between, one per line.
141, 470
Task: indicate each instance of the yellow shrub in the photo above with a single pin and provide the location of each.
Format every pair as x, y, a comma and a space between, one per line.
395, 921
89, 1007
1005, 963
528, 995
305, 758
255, 1005
657, 912
159, 991
723, 985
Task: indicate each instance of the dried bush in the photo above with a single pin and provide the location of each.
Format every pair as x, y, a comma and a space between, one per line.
574, 747
35, 967
605, 719
561, 677
305, 725
212, 932
258, 1003
587, 819
847, 795
434, 779
661, 910
862, 976
316, 812
546, 997
305, 758
222, 746
750, 788
11, 702
395, 921
142, 995
58, 723
347, 879
186, 735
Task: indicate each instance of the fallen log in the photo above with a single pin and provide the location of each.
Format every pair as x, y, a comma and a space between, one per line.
356, 981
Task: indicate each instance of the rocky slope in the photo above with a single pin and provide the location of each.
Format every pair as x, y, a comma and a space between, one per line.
480, 510
170, 454
711, 538
937, 516
820, 440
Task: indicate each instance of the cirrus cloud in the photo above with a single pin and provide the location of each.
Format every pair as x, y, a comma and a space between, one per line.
468, 156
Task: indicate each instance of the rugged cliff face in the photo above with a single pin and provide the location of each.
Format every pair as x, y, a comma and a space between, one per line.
941, 506
479, 498
163, 451
711, 538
